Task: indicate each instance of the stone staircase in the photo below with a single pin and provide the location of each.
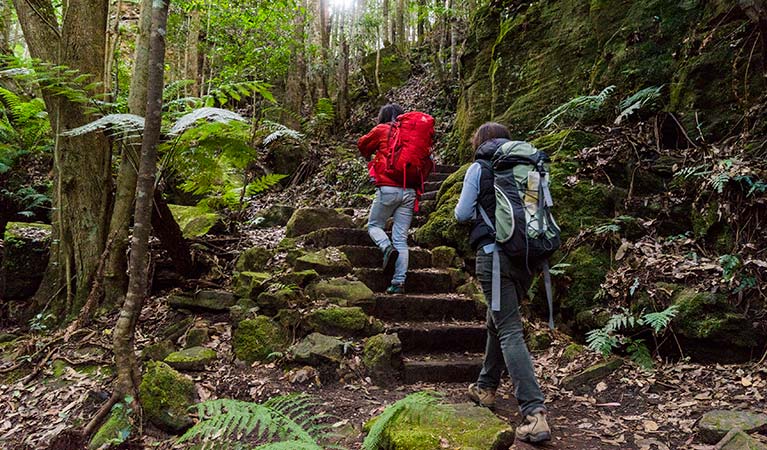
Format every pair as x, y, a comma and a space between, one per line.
442, 333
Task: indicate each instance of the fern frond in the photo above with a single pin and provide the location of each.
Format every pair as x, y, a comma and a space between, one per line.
636, 102
640, 354
660, 320
206, 113
264, 183
279, 131
122, 123
289, 445
578, 107
416, 400
601, 341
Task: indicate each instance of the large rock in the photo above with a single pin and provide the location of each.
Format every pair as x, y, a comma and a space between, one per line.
158, 351
342, 292
739, 440
327, 262
442, 229
454, 426
250, 284
381, 357
344, 321
306, 220
166, 396
193, 358
26, 247
390, 68
585, 380
279, 297
274, 216
444, 257
207, 300
116, 430
195, 221
317, 348
255, 339
254, 260
300, 278
714, 425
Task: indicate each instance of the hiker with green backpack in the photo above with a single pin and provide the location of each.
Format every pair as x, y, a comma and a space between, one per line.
506, 199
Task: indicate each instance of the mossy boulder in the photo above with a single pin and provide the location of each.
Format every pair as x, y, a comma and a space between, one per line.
327, 262
300, 278
193, 358
250, 284
709, 317
585, 379
158, 351
393, 70
306, 220
317, 348
195, 221
255, 339
429, 427
197, 336
342, 292
166, 396
539, 341
206, 300
715, 424
254, 260
244, 309
442, 229
381, 357
343, 321
25, 255
444, 256
588, 267
116, 430
572, 351
278, 297
274, 216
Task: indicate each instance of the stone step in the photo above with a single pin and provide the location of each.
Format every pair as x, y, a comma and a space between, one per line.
410, 307
436, 337
365, 256
418, 281
438, 176
432, 186
431, 195
336, 237
441, 368
445, 168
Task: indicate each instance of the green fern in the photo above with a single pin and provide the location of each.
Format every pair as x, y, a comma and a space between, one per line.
660, 320
285, 422
578, 107
415, 401
642, 99
264, 183
640, 354
602, 341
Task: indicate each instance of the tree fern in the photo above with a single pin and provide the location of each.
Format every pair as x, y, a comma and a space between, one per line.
187, 121
264, 183
123, 124
578, 107
418, 400
285, 422
279, 131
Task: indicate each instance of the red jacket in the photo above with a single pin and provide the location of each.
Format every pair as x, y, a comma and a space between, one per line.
375, 144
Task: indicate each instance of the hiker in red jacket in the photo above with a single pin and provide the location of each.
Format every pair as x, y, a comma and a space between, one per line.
398, 181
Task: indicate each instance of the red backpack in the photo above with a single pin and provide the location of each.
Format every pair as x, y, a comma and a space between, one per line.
409, 146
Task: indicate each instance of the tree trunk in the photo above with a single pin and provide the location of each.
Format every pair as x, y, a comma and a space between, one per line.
296, 73
115, 275
192, 51
166, 229
5, 29
324, 45
125, 360
422, 18
453, 40
343, 80
387, 28
82, 175
401, 37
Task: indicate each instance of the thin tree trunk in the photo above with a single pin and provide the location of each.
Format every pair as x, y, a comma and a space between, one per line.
5, 29
113, 38
401, 37
192, 49
325, 46
115, 274
387, 28
296, 73
343, 80
421, 20
453, 40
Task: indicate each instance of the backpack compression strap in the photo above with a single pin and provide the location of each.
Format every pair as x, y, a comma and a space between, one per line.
547, 286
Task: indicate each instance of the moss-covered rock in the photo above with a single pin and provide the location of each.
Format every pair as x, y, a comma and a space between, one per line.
197, 336
342, 292
381, 357
26, 248
327, 262
317, 348
393, 70
715, 424
572, 351
463, 425
584, 380
195, 221
158, 351
256, 339
306, 220
165, 397
250, 284
244, 309
300, 278
710, 317
274, 216
444, 256
193, 358
539, 341
343, 321
116, 430
587, 270
442, 229
279, 297
206, 300
254, 260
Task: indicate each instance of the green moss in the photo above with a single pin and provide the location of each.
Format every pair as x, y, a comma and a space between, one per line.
300, 278
462, 426
709, 316
115, 430
381, 355
588, 269
196, 337
306, 220
393, 69
158, 351
278, 297
344, 321
195, 221
444, 256
193, 358
342, 292
328, 262
256, 339
165, 397
572, 351
442, 228
250, 284
254, 259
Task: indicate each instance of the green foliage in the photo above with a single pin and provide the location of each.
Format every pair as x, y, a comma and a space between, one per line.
323, 117
607, 339
730, 265
643, 99
413, 401
285, 422
577, 108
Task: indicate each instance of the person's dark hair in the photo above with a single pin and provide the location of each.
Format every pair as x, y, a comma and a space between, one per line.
389, 113
489, 130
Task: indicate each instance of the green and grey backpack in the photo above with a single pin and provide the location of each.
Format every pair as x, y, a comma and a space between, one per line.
524, 224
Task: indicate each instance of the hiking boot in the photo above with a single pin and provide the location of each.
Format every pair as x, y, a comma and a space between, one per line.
534, 428
482, 397
390, 258
395, 289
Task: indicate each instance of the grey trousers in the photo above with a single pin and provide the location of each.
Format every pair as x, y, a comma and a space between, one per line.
506, 346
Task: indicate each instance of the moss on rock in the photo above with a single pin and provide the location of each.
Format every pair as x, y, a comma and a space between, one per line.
300, 278
274, 216
708, 316
442, 229
158, 351
444, 256
381, 356
344, 321
587, 271
342, 292
194, 221
116, 430
25, 255
279, 297
255, 339
193, 358
327, 262
393, 69
254, 260
317, 348
165, 397
250, 284
306, 220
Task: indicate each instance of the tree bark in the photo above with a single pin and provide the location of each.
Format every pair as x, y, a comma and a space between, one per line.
296, 73
401, 37
422, 18
5, 29
115, 274
325, 27
166, 229
453, 40
342, 102
387, 28
193, 54
82, 176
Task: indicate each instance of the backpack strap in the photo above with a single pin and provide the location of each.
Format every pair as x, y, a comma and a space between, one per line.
547, 286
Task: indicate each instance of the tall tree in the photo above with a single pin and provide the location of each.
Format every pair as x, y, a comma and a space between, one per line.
422, 20
388, 30
342, 99
82, 173
401, 39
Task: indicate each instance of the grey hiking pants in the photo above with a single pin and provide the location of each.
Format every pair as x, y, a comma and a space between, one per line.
506, 346
398, 203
